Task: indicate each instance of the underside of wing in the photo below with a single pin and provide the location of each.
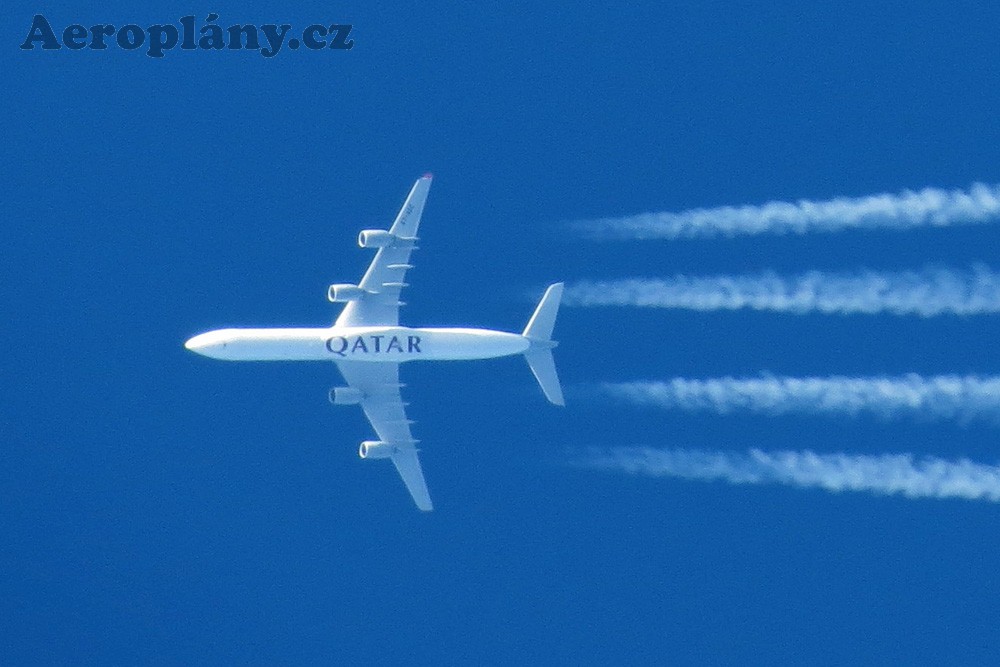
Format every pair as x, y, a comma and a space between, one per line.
408, 465
377, 302
379, 389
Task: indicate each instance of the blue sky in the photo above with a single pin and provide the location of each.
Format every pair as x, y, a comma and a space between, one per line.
162, 508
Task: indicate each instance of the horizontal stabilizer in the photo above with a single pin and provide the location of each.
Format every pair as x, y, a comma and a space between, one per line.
539, 335
543, 366
543, 321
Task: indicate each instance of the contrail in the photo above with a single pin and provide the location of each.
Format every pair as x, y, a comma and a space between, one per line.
930, 207
924, 293
944, 397
883, 474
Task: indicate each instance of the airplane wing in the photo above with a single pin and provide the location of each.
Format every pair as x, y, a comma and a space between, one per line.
379, 306
383, 405
383, 281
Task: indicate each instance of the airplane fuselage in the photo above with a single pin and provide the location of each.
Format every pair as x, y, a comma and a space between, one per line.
392, 344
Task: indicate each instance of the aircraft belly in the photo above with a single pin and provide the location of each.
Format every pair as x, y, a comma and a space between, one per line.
278, 345
367, 344
458, 345
399, 345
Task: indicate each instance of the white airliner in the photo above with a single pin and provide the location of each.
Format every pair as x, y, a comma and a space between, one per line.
368, 344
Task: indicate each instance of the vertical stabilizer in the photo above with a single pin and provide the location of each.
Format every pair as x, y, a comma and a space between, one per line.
539, 333
544, 318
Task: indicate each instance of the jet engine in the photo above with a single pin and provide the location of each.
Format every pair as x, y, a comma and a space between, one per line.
345, 396
375, 238
376, 449
344, 293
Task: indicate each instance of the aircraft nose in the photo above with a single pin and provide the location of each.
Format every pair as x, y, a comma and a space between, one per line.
209, 344
196, 343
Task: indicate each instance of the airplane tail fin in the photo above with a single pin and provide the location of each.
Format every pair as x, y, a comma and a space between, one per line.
539, 334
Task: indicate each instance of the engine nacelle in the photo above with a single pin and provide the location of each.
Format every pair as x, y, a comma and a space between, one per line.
344, 293
345, 396
375, 238
376, 449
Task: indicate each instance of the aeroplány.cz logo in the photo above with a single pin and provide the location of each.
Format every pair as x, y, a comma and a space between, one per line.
269, 38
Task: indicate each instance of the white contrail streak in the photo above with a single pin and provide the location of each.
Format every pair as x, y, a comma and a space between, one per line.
930, 207
961, 398
924, 293
882, 474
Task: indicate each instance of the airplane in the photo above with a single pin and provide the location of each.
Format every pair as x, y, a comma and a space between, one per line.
368, 344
